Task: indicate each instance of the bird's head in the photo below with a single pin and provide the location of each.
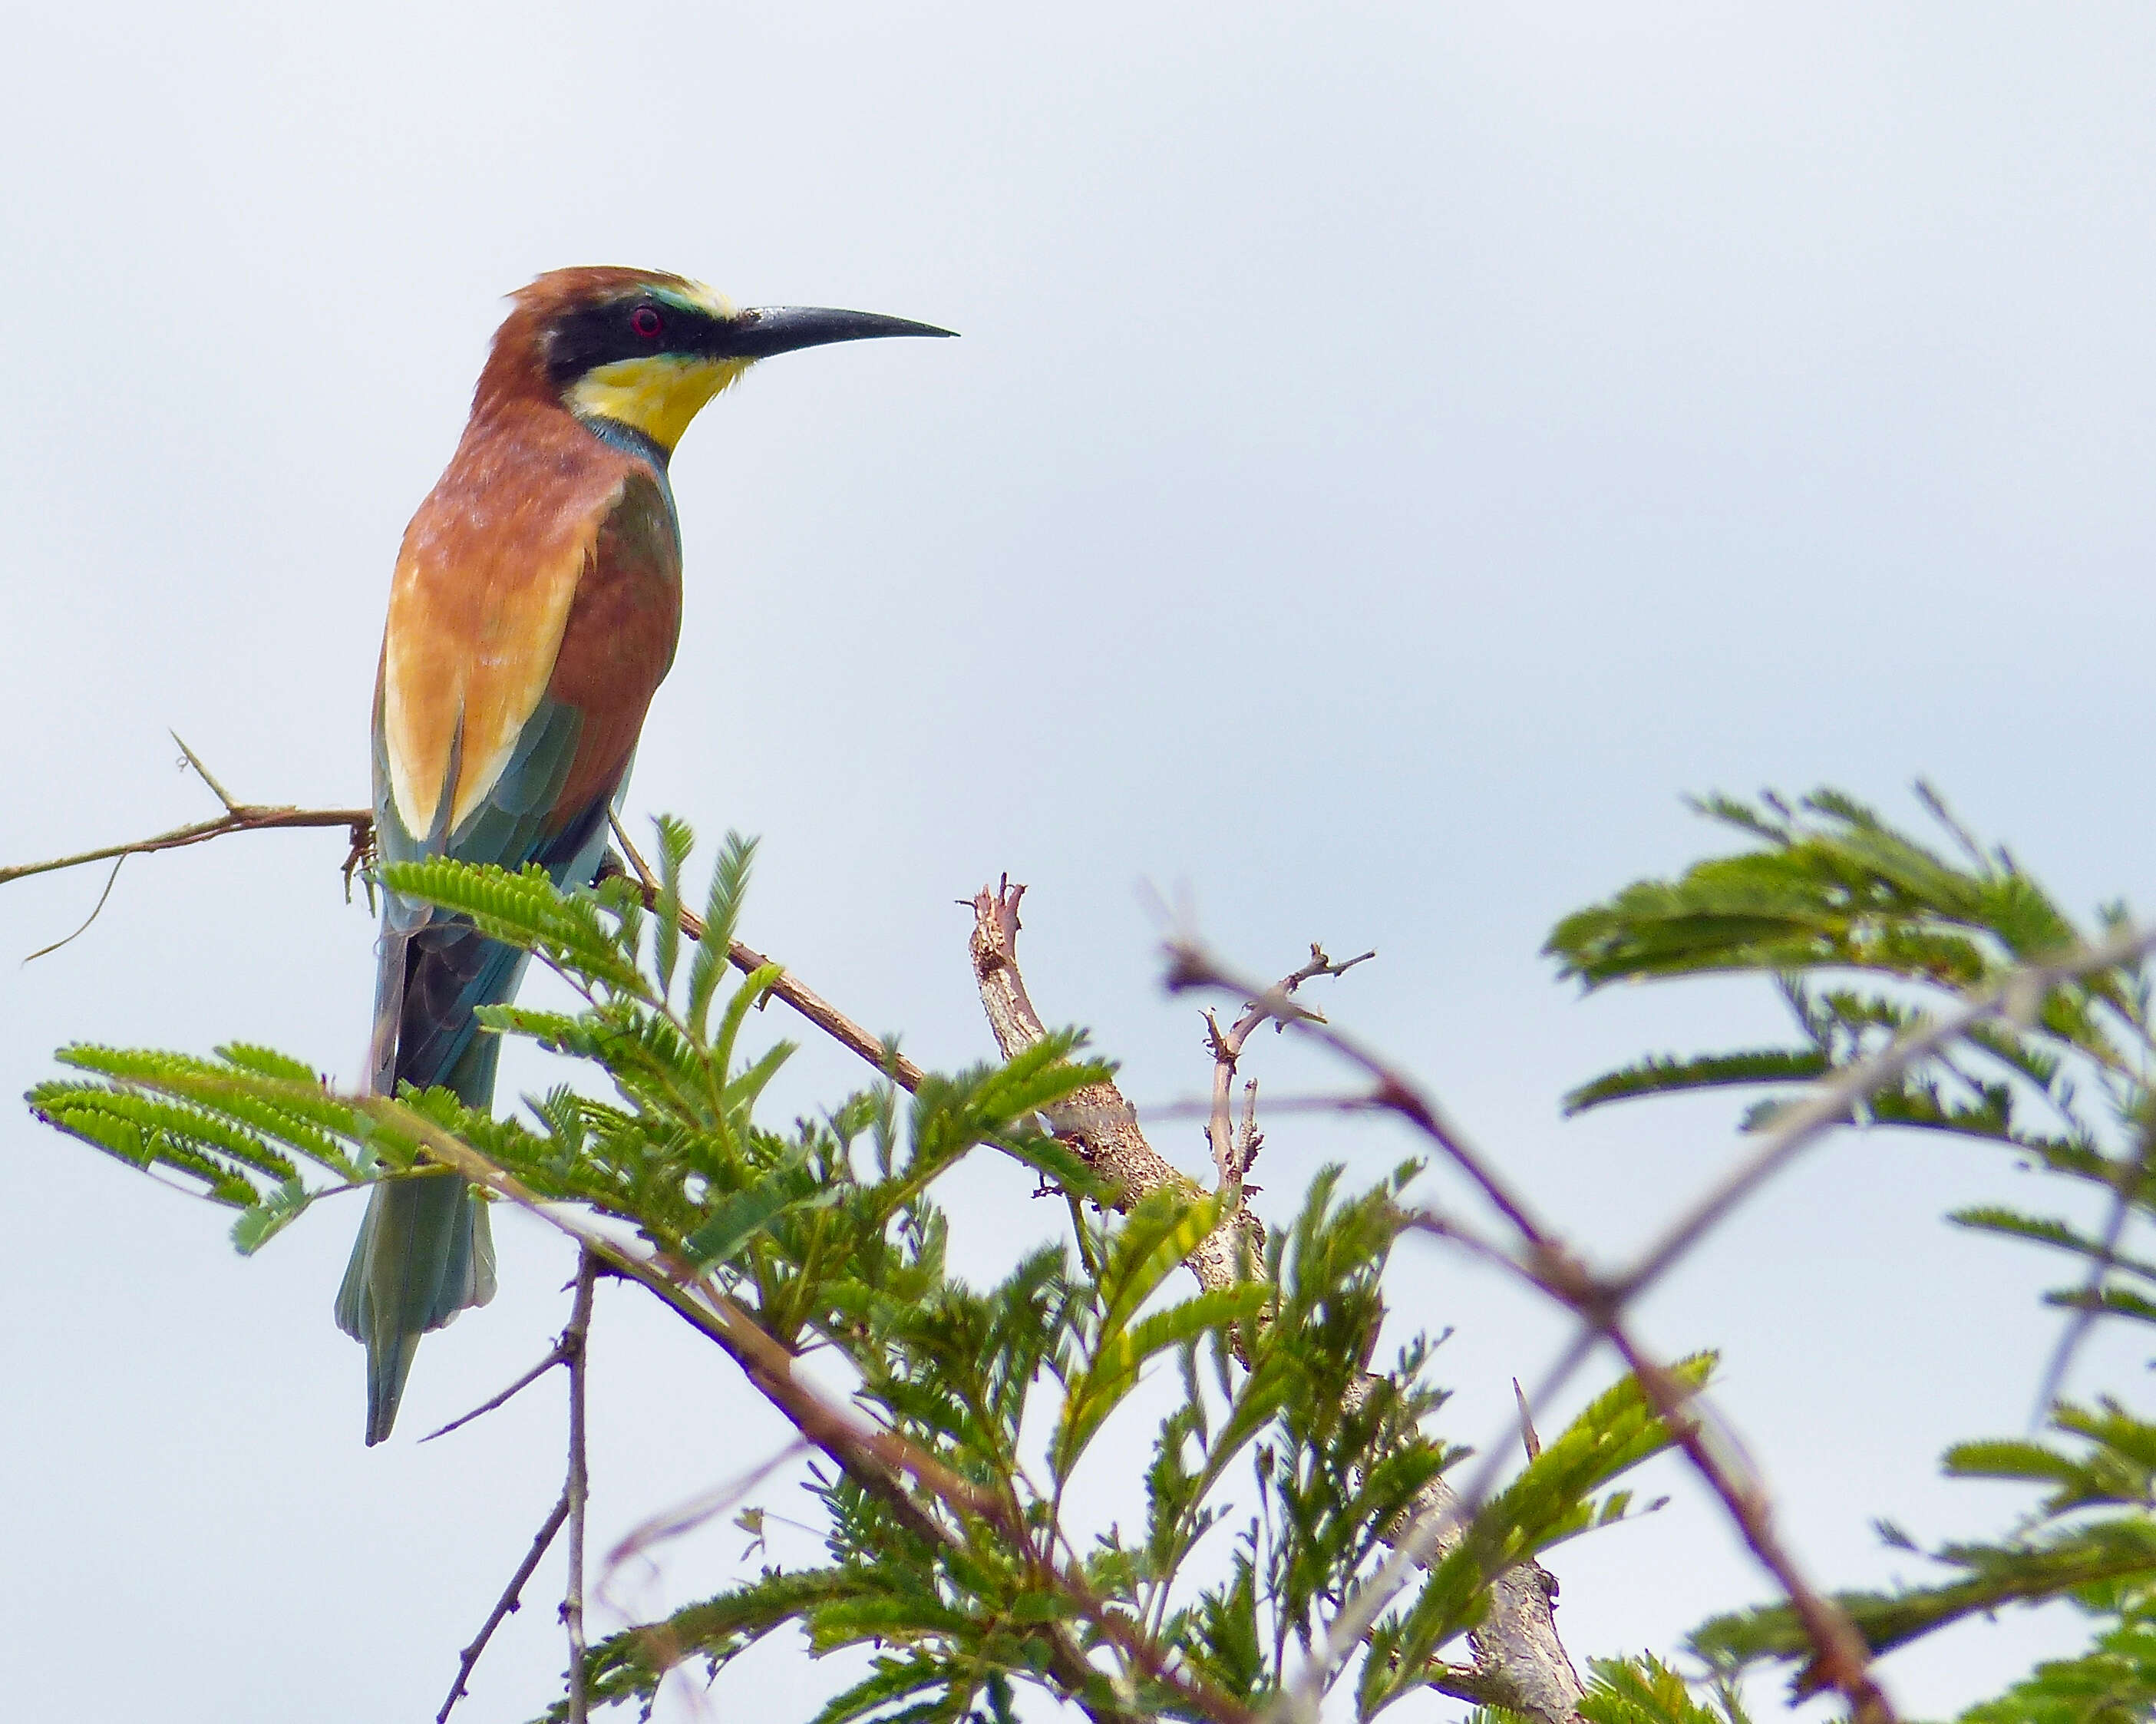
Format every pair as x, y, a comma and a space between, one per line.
648, 350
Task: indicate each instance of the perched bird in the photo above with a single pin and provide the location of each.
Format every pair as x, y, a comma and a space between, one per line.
534, 611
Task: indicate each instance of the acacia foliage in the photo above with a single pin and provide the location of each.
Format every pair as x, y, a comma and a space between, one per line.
1290, 1452
1868, 932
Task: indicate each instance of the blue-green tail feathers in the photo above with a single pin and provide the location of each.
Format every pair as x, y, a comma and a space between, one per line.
424, 1252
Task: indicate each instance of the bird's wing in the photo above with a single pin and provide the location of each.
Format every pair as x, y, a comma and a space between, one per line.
484, 581
517, 670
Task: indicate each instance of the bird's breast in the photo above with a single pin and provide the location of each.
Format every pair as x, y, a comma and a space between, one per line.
624, 621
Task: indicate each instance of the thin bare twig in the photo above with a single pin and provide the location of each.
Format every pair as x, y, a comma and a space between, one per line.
96, 910
1842, 1656
509, 1601
1233, 1153
1190, 966
238, 817
242, 817
560, 1356
569, 1507
662, 1649
254, 817
576, 1489
686, 1517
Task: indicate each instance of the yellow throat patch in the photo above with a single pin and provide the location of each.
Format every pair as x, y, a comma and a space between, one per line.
658, 395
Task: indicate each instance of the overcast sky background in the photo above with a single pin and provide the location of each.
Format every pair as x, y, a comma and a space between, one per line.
1394, 453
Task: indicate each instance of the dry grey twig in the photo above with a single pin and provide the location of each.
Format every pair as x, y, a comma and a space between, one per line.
569, 1507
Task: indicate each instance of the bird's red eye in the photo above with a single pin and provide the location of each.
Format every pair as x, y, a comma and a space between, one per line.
646, 322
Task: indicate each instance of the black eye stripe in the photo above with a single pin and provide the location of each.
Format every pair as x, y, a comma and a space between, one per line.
593, 336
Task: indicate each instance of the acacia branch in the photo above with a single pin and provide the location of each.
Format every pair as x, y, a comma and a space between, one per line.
804, 999
238, 817
254, 817
1516, 1648
1094, 1119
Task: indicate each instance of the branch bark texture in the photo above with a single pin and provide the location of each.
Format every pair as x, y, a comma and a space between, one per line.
1096, 1120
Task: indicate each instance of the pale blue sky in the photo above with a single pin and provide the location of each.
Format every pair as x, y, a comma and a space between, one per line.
1394, 453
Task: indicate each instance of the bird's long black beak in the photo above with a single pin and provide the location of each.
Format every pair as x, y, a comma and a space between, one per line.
764, 329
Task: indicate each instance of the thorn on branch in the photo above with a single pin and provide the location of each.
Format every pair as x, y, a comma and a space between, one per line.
204, 773
1529, 1440
1216, 1039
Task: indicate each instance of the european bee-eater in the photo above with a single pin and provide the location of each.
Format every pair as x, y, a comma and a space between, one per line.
535, 608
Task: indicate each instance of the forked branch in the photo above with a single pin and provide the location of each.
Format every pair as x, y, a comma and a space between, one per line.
569, 1507
1234, 1150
